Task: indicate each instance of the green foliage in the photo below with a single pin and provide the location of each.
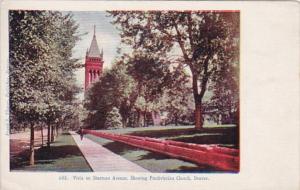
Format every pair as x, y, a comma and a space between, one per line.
179, 100
42, 81
111, 90
208, 42
113, 119
225, 98
137, 85
152, 76
150, 79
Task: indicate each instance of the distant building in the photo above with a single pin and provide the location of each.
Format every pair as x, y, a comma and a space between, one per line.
93, 62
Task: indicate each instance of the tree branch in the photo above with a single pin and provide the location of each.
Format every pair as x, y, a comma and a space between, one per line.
205, 76
190, 32
183, 50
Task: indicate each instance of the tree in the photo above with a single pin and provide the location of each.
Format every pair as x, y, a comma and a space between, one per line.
63, 32
204, 40
178, 97
41, 67
27, 49
138, 81
113, 119
144, 85
152, 76
225, 99
111, 90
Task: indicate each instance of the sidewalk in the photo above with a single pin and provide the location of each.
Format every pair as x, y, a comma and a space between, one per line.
101, 159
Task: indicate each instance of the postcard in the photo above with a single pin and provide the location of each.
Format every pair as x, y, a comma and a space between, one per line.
140, 94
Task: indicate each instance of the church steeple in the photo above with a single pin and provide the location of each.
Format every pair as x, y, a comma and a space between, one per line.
102, 53
94, 49
93, 62
94, 30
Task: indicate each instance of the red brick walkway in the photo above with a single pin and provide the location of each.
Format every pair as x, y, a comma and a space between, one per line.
102, 159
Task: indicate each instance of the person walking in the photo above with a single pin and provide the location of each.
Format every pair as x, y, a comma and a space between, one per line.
81, 133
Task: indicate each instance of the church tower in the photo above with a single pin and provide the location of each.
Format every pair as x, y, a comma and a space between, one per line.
93, 62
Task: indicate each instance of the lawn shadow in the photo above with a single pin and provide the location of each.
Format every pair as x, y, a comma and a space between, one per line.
220, 135
120, 148
45, 155
210, 139
178, 132
57, 152
20, 160
163, 132
155, 156
195, 168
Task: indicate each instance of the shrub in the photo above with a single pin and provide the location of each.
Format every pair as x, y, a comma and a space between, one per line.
113, 119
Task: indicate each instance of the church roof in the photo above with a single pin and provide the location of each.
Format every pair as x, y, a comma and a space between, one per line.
94, 49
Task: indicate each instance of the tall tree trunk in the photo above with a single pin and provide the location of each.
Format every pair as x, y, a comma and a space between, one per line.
199, 92
139, 117
42, 134
59, 131
48, 135
52, 133
198, 101
135, 119
31, 160
198, 116
145, 119
176, 119
56, 130
219, 119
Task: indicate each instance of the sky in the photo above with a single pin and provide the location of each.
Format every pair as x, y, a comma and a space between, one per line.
107, 36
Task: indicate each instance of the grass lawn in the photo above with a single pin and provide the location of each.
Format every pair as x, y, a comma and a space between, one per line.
63, 156
152, 161
224, 135
221, 136
157, 162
